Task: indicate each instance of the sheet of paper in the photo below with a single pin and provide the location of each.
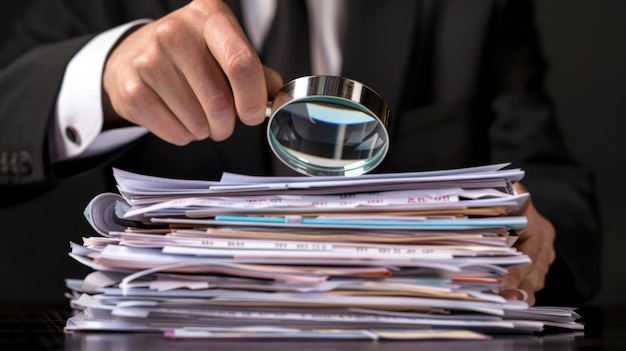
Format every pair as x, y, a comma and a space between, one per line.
511, 222
134, 186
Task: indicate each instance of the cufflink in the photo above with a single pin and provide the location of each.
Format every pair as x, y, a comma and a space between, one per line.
73, 135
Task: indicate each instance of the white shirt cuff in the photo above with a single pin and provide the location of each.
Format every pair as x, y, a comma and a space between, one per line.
78, 114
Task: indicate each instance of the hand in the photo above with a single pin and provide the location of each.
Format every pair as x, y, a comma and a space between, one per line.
537, 241
187, 75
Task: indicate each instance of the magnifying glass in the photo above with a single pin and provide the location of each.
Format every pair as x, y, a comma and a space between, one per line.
328, 126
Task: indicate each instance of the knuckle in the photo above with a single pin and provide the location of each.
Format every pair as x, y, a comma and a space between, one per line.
220, 106
132, 90
512, 278
242, 68
220, 114
147, 63
204, 8
540, 284
251, 114
197, 8
240, 61
170, 30
130, 100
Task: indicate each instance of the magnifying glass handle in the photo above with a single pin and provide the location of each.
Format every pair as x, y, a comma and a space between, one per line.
268, 109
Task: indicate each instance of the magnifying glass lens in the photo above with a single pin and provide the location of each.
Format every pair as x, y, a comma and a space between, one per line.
327, 138
326, 125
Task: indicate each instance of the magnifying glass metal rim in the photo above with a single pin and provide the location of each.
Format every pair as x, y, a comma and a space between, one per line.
334, 88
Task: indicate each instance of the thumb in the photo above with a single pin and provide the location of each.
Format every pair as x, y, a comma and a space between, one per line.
273, 80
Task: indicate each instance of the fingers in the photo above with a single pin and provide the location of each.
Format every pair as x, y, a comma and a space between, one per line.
226, 41
515, 275
537, 242
529, 278
164, 124
522, 278
515, 294
528, 286
194, 86
273, 80
188, 75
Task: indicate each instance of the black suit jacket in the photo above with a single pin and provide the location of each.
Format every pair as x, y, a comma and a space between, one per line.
463, 79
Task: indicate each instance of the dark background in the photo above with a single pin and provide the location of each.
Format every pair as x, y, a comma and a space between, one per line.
585, 44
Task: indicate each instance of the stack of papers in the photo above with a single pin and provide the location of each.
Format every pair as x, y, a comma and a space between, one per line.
389, 256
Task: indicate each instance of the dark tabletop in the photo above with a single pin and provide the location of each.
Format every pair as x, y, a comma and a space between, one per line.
39, 326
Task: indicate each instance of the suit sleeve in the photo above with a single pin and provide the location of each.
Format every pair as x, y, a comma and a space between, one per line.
30, 87
32, 62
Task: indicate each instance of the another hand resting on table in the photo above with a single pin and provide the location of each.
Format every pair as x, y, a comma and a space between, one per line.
536, 241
